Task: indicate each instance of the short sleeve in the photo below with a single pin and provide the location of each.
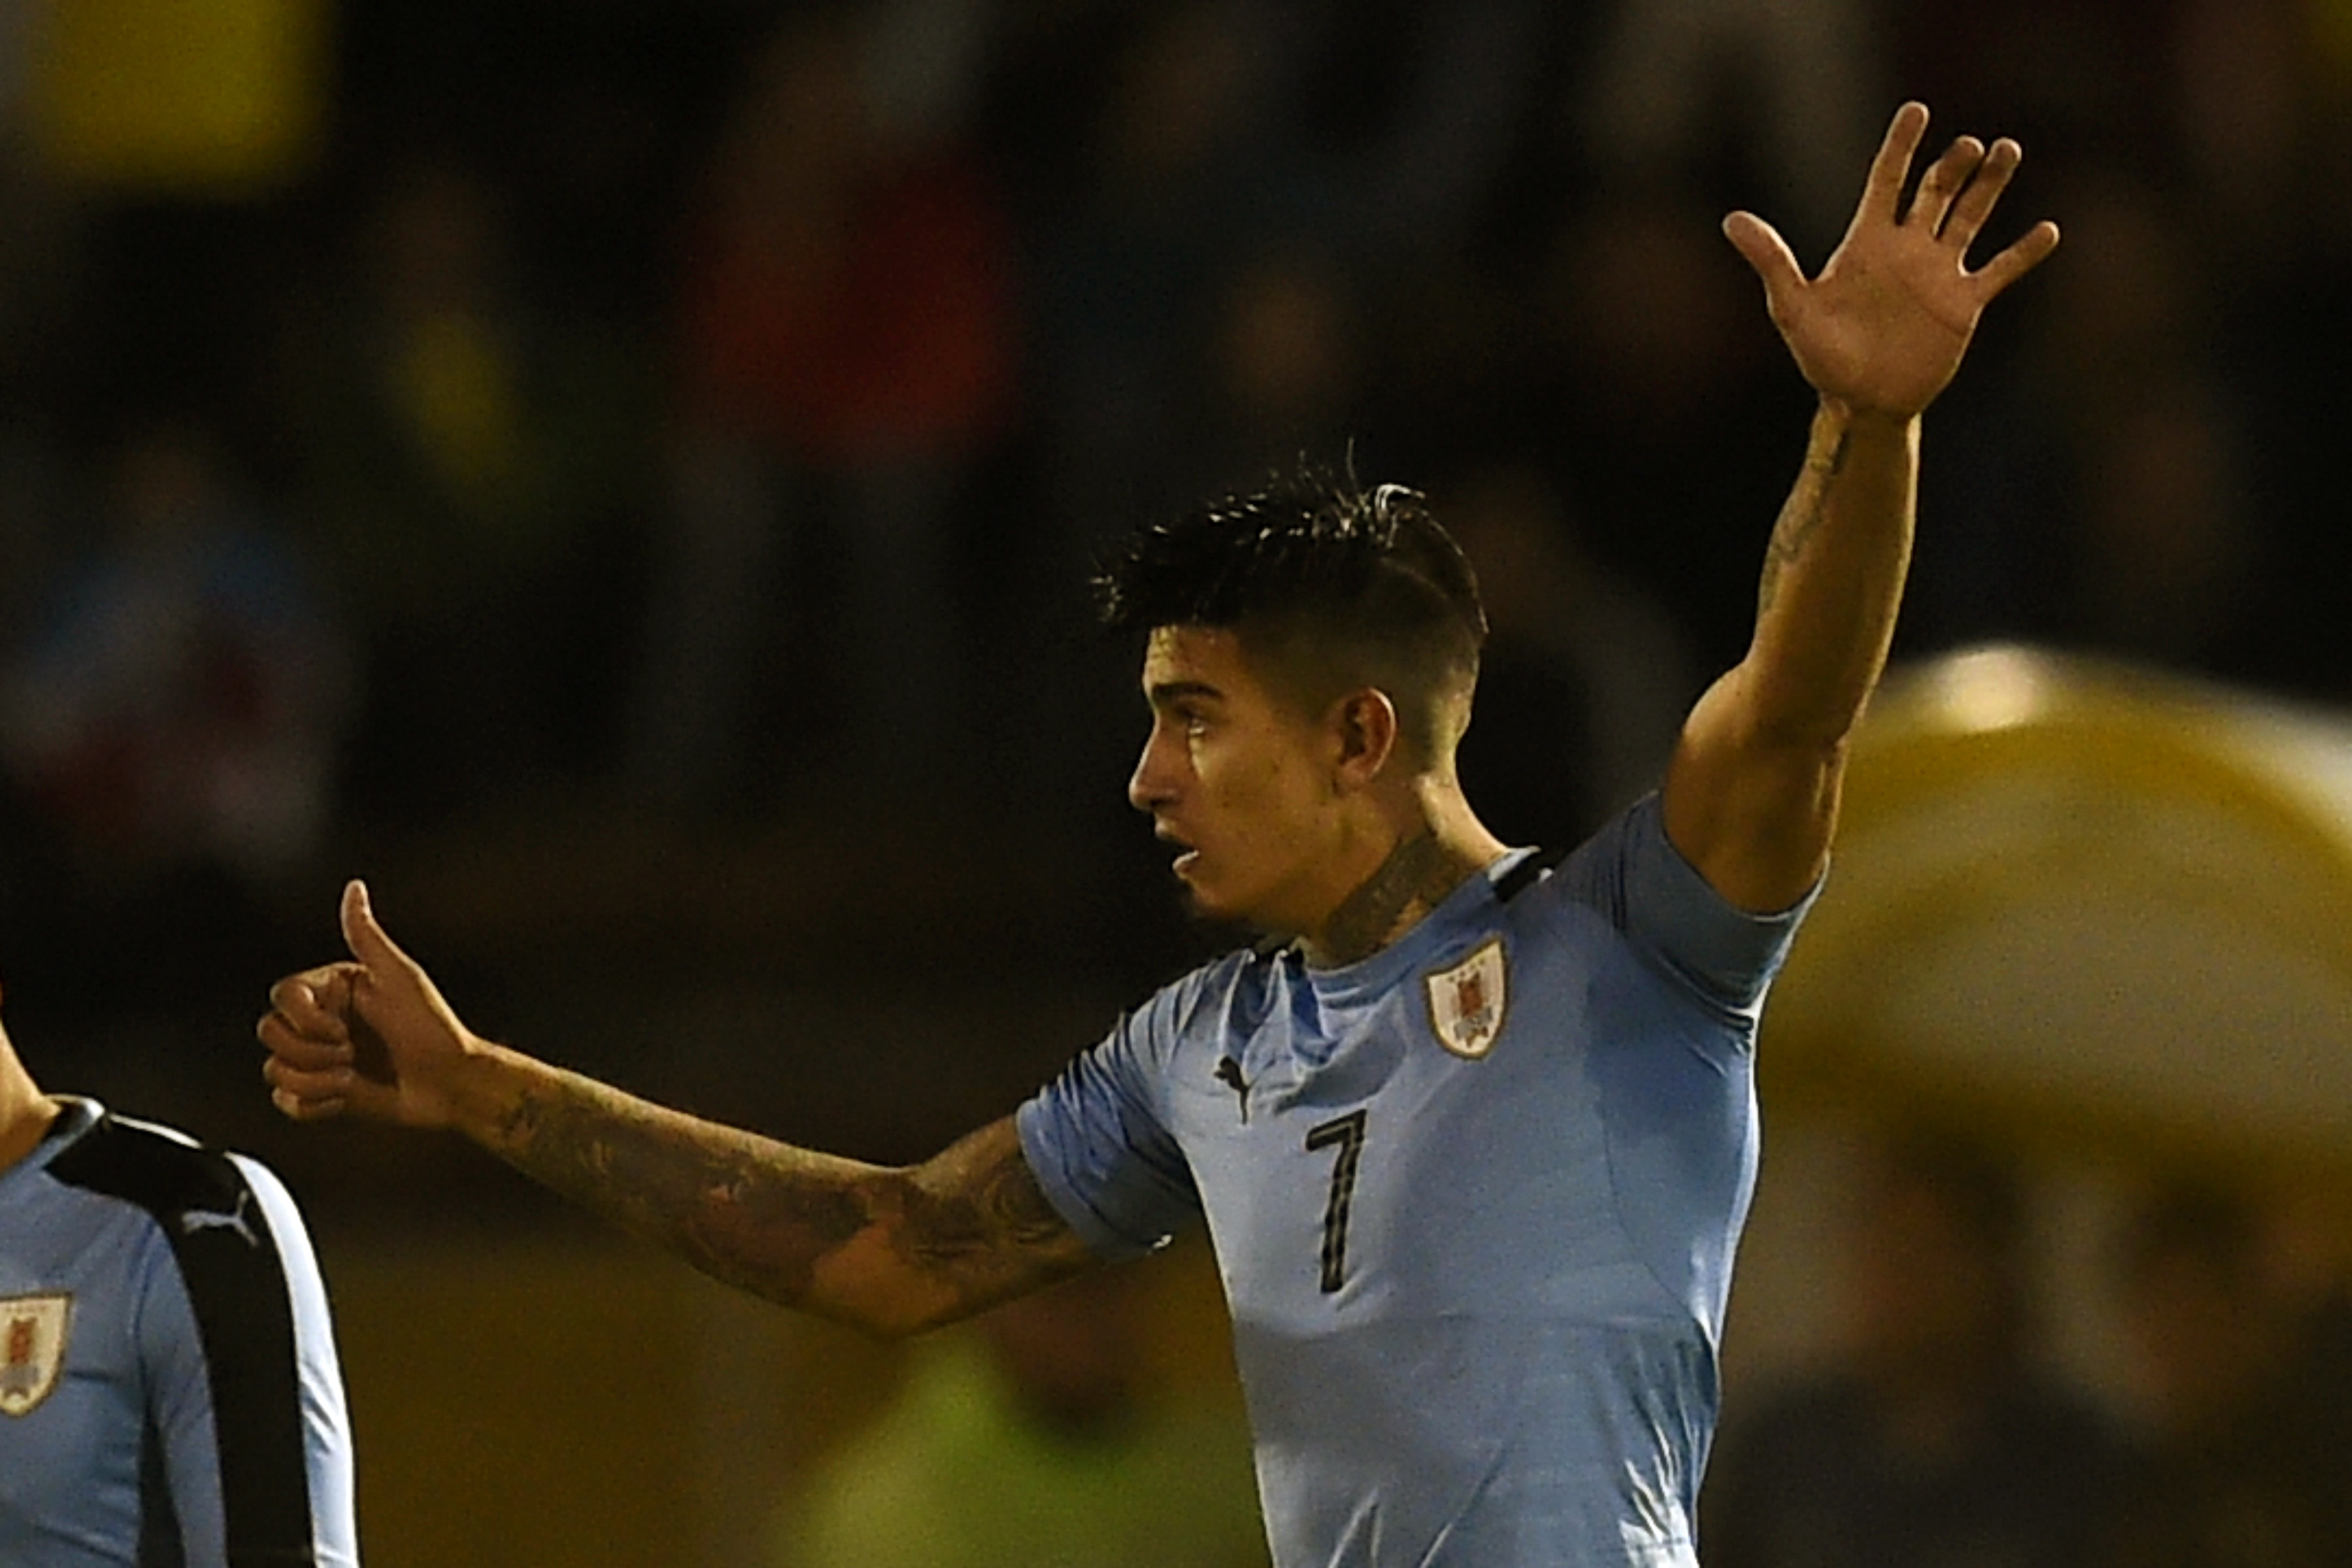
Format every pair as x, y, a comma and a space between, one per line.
319, 1380
1632, 872
1101, 1154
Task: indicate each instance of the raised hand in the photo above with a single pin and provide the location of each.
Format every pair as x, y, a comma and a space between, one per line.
1885, 326
370, 1036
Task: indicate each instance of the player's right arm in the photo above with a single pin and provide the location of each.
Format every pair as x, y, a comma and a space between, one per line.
890, 1249
1752, 792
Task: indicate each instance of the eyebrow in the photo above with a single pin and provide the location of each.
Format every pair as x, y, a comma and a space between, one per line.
1166, 693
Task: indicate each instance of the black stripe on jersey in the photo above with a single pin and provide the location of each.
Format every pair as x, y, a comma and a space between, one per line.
244, 1320
1522, 877
159, 1521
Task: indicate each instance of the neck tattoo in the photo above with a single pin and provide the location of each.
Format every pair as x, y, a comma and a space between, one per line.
1414, 879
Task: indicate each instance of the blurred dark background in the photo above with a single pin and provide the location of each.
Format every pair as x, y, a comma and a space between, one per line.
621, 476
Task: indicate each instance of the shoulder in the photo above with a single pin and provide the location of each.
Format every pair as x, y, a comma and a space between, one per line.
154, 1167
1633, 876
1228, 994
221, 1213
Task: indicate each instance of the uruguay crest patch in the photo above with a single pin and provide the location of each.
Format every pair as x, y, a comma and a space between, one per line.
1467, 1003
33, 1333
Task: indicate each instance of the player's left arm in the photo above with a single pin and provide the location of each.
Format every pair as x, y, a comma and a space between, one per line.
321, 1412
179, 1405
1751, 795
244, 1393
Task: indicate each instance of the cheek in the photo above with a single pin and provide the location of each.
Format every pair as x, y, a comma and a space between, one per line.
1264, 800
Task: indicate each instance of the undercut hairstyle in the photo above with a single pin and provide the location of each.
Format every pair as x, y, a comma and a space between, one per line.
1330, 588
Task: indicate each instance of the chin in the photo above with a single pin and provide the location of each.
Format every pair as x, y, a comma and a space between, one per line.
1198, 905
1218, 927
1224, 919
1204, 905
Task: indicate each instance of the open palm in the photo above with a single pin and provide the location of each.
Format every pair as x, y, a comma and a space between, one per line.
1885, 326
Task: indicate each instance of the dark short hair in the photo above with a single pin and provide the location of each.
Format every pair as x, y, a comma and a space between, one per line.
1331, 585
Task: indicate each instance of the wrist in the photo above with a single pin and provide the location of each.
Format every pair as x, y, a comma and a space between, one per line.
1867, 419
485, 1087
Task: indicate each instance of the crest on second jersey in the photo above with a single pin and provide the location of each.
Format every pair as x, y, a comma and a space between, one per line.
33, 1333
1467, 1003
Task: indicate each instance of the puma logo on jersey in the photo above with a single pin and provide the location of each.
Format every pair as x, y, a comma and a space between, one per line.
1229, 1073
195, 1220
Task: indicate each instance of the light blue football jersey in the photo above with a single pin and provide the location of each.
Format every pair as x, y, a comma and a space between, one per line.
1475, 1200
169, 1389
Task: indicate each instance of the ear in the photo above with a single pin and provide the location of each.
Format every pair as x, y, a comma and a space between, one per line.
1364, 722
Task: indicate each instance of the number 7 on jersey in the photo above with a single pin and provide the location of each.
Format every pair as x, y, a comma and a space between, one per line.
1345, 1133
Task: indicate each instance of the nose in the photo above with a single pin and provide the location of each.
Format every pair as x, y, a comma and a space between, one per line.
1147, 787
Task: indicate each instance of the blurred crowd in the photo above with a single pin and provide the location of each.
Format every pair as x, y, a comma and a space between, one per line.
702, 412
1944, 1429
711, 407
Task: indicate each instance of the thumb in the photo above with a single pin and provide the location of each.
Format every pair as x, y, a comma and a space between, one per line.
1768, 254
375, 1009
368, 941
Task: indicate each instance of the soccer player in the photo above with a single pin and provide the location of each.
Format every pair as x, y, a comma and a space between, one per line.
168, 1392
1473, 1138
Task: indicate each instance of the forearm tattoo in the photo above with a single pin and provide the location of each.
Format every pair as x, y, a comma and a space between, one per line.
1800, 518
764, 1215
995, 1205
1415, 879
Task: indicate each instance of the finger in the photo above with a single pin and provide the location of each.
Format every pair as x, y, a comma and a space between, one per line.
307, 1082
1769, 254
2023, 257
307, 1092
1975, 203
289, 1043
369, 942
296, 1108
289, 1083
1882, 191
1945, 178
313, 1001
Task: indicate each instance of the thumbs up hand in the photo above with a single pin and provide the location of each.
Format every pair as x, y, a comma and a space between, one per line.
370, 1036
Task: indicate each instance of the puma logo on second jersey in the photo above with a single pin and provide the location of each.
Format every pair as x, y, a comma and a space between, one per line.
195, 1220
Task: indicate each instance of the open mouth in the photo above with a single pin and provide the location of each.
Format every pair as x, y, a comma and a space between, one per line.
1185, 854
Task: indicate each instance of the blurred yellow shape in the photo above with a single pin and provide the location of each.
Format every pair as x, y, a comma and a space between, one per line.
222, 96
